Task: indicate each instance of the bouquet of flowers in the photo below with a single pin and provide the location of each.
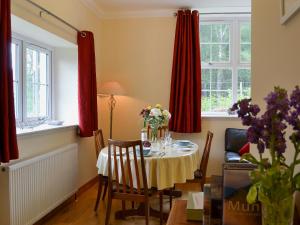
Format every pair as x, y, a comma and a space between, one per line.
274, 181
155, 117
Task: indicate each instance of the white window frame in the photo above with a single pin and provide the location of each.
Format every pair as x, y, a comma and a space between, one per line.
18, 74
23, 43
234, 53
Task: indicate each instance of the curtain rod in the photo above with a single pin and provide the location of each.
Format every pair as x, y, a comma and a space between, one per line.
56, 17
221, 13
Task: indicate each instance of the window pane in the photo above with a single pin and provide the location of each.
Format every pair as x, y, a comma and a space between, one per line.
221, 100
221, 79
36, 83
216, 90
205, 101
43, 68
245, 53
206, 80
220, 33
13, 58
205, 33
215, 43
220, 53
43, 100
205, 53
245, 29
244, 83
245, 39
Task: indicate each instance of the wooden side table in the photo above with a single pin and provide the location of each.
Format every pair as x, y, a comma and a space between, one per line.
177, 215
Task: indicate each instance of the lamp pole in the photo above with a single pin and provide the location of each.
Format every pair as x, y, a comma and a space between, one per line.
111, 104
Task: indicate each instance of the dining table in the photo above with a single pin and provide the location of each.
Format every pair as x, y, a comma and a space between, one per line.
166, 165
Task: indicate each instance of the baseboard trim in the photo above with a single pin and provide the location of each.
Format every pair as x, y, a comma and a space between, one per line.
87, 186
70, 200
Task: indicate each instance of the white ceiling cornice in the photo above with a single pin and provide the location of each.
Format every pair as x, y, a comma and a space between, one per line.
94, 7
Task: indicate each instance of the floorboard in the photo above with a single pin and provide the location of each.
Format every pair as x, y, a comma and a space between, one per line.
81, 212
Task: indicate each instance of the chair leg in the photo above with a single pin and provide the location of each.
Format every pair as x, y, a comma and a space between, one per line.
171, 197
108, 210
123, 208
105, 190
99, 192
161, 207
132, 205
147, 212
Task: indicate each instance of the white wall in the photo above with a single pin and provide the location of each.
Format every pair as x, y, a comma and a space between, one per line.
65, 81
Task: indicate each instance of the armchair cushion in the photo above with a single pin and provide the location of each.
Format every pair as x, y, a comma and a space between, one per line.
245, 149
232, 157
235, 139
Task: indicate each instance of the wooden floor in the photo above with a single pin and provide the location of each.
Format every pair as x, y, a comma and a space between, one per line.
81, 212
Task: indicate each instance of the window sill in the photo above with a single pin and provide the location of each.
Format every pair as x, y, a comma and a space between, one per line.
225, 116
43, 129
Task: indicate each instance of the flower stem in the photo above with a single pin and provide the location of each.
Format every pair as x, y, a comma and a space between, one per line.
295, 159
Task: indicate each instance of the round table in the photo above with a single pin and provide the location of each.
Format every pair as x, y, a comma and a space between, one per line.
163, 171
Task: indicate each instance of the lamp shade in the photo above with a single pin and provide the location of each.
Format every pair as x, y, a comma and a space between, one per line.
111, 88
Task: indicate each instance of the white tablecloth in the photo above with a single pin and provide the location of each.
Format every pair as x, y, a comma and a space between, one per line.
177, 166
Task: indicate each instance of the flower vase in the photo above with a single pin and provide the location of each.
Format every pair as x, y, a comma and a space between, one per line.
154, 132
278, 212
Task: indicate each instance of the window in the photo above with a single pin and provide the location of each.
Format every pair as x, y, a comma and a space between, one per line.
32, 80
226, 63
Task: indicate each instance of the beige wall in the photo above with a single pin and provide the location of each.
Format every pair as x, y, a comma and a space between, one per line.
138, 53
76, 14
275, 49
275, 53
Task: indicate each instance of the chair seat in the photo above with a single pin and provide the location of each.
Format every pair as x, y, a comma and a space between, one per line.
198, 174
151, 192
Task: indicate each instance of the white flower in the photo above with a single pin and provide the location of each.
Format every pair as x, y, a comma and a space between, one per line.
155, 112
167, 114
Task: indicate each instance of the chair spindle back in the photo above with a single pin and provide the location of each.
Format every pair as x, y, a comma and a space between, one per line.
99, 141
205, 157
119, 152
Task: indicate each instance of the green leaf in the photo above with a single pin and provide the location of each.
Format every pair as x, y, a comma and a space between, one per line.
250, 158
252, 194
297, 181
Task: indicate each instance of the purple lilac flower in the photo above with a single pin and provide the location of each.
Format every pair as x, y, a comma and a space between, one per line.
295, 99
270, 127
294, 117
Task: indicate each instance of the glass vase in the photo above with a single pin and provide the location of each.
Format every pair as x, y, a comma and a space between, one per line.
279, 212
154, 132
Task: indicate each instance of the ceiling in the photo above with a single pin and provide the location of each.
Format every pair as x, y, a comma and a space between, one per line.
126, 7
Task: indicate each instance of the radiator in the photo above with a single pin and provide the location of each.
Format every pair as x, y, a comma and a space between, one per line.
31, 188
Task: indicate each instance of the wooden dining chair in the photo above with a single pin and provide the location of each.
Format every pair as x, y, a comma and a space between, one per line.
102, 180
161, 131
124, 170
201, 173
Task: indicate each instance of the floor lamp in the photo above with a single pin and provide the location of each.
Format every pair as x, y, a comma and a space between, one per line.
111, 89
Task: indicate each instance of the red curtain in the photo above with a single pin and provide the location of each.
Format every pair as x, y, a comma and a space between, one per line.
185, 97
87, 88
8, 136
